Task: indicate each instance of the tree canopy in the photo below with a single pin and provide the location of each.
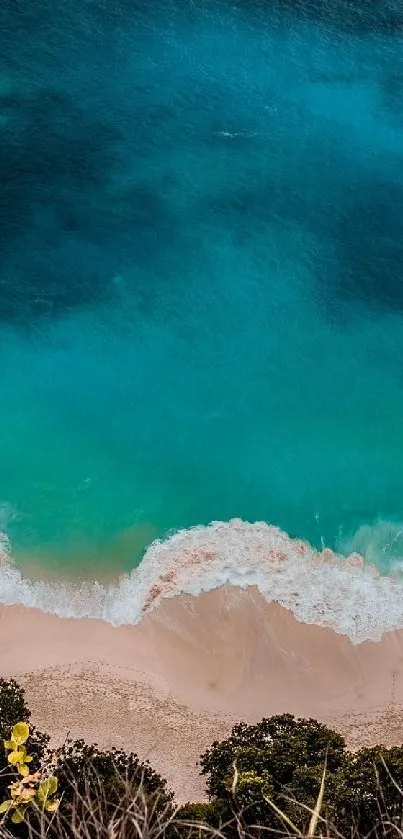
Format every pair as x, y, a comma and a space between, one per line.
280, 760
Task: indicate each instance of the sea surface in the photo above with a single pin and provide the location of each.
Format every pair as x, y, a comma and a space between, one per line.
201, 275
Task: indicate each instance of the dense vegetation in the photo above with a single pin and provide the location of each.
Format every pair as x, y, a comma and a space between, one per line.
92, 784
263, 777
277, 766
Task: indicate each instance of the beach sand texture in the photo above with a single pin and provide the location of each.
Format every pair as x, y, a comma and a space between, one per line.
170, 685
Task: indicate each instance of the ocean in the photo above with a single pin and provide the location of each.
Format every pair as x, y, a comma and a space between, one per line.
201, 277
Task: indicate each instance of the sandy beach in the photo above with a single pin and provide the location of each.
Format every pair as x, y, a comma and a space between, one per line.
180, 678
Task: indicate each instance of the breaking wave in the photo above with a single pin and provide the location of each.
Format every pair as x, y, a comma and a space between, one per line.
320, 587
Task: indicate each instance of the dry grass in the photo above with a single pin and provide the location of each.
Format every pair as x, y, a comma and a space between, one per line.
141, 816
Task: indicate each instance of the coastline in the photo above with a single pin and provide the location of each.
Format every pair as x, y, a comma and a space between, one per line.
320, 587
191, 668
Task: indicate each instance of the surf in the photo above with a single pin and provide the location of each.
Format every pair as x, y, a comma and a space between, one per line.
319, 587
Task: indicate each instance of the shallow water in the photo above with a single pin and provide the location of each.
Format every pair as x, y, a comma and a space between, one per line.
201, 292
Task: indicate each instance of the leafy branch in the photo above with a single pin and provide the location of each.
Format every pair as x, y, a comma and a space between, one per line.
27, 789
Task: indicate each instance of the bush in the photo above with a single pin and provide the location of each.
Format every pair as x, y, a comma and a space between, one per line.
367, 790
91, 780
28, 790
278, 763
13, 709
280, 759
195, 812
211, 814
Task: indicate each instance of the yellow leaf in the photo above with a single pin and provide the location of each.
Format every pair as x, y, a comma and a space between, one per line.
52, 784
10, 744
51, 806
47, 787
23, 770
5, 806
15, 757
20, 733
17, 817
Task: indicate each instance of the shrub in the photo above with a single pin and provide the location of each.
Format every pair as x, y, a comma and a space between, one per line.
367, 790
92, 780
260, 770
27, 789
212, 814
13, 707
280, 759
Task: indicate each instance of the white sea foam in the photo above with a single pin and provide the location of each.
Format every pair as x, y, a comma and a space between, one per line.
380, 543
319, 587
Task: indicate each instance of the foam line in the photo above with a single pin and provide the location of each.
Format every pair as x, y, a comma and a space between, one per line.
323, 587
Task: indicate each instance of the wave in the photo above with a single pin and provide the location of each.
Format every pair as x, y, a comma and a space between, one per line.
320, 587
380, 544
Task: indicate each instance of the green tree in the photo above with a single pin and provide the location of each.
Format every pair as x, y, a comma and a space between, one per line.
191, 819
368, 789
280, 759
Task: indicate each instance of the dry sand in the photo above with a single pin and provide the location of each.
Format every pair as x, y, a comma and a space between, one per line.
173, 683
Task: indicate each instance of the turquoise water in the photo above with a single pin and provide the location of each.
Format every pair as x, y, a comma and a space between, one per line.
201, 284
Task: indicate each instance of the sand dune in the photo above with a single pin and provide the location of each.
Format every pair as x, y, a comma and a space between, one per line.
191, 668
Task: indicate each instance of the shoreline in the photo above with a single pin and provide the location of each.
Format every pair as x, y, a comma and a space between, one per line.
190, 669
320, 587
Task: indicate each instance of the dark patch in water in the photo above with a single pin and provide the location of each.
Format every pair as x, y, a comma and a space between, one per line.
370, 236
70, 219
50, 154
59, 203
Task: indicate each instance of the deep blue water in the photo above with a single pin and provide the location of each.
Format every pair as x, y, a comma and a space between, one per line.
201, 278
